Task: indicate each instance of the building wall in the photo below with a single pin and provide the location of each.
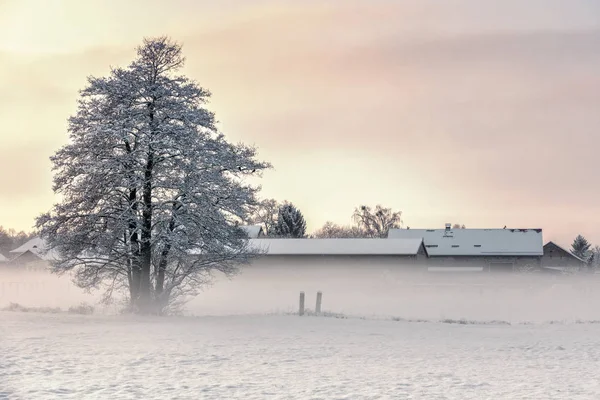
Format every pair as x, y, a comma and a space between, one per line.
489, 264
310, 262
413, 264
27, 261
554, 256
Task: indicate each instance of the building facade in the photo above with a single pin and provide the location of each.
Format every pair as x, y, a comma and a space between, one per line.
558, 259
478, 250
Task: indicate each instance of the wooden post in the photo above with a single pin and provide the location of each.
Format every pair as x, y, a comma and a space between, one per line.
301, 308
318, 305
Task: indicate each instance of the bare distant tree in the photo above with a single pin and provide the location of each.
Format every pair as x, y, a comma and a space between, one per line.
264, 214
150, 190
332, 230
377, 222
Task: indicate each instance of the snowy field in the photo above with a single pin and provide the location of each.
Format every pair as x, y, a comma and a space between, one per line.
288, 357
535, 338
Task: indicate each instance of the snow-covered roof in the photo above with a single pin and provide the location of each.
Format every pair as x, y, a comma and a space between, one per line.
565, 250
253, 231
37, 246
337, 246
31, 245
476, 242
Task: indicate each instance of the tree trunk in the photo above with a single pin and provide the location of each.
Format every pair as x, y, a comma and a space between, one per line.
164, 256
146, 245
135, 281
145, 295
162, 267
134, 274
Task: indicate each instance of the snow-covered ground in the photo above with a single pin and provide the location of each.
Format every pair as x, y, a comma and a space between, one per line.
240, 345
64, 356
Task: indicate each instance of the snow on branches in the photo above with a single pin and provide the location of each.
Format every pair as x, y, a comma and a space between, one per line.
151, 191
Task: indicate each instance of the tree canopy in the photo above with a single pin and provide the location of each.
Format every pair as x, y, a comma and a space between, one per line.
378, 221
150, 190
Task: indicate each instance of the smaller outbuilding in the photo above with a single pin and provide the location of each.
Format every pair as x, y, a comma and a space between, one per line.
31, 255
557, 259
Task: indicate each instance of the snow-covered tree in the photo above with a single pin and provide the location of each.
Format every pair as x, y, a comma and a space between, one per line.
581, 247
332, 230
290, 222
150, 190
265, 214
377, 222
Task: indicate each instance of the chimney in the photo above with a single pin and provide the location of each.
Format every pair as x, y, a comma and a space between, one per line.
448, 227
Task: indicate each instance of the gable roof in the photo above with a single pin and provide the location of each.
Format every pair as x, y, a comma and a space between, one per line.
350, 246
550, 243
37, 246
253, 231
32, 244
476, 242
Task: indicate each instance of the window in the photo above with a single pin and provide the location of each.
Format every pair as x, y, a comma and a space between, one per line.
455, 245
477, 245
431, 245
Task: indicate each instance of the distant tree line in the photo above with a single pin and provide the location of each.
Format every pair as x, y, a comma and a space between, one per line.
286, 220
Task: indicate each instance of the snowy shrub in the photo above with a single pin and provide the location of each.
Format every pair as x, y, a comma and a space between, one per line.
82, 309
16, 307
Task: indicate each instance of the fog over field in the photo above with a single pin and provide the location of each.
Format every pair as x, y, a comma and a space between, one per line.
508, 337
368, 292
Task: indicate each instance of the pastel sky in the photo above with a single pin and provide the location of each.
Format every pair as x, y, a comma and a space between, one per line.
485, 113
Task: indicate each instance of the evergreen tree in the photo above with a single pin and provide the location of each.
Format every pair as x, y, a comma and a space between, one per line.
581, 247
290, 222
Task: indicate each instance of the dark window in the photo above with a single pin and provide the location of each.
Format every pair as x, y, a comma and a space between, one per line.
431, 245
455, 245
477, 245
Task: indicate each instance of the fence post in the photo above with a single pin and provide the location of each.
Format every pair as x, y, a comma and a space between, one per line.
318, 305
301, 307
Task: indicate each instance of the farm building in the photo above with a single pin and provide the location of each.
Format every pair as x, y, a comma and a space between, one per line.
339, 251
31, 255
557, 258
478, 250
